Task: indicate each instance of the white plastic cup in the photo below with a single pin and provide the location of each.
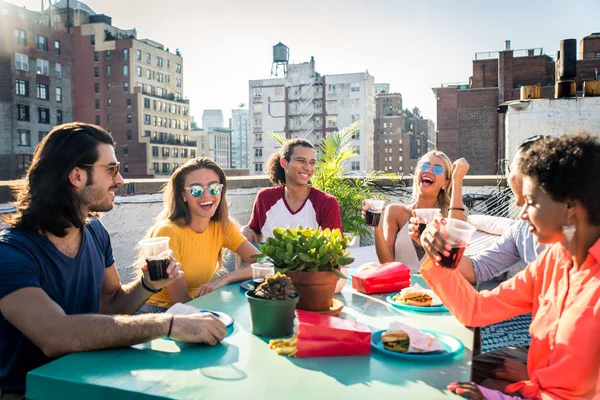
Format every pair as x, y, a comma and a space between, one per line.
458, 235
375, 208
260, 272
156, 252
425, 216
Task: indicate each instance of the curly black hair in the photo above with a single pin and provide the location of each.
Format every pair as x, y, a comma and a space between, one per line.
567, 168
274, 170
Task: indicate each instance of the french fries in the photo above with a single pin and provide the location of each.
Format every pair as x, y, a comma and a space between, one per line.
285, 346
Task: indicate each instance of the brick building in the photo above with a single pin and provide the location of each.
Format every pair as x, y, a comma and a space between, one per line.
36, 66
468, 123
401, 137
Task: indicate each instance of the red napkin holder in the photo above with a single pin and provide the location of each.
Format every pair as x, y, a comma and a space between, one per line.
325, 336
388, 277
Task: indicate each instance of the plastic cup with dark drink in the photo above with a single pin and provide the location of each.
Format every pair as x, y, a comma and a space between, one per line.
260, 272
375, 208
425, 216
458, 235
156, 252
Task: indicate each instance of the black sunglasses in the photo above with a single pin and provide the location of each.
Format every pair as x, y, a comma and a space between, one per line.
113, 168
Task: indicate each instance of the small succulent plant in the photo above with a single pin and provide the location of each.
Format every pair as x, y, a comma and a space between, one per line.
276, 287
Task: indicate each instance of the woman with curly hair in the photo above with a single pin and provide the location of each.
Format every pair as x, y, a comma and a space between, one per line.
561, 186
292, 202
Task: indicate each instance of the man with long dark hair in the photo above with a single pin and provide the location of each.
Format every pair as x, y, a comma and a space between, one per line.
60, 291
292, 202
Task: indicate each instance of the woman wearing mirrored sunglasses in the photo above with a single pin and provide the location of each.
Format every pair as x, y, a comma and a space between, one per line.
196, 218
436, 180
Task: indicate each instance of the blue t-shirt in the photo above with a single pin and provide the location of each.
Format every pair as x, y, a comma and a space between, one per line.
29, 259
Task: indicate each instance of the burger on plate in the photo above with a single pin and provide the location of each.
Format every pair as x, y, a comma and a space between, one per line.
395, 341
414, 298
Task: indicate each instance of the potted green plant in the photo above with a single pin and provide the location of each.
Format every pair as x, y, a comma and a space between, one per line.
272, 306
311, 258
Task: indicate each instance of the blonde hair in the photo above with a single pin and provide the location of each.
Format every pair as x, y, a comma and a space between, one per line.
443, 200
176, 210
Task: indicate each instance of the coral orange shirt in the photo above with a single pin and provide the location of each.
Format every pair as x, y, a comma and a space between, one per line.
564, 357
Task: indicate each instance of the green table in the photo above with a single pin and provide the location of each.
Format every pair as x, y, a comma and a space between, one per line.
244, 367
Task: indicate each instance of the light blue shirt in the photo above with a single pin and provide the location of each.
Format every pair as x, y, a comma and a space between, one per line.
516, 244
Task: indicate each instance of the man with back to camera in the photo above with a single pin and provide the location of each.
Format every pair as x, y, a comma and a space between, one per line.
60, 291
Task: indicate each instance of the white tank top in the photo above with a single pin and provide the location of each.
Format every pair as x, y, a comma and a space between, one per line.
404, 250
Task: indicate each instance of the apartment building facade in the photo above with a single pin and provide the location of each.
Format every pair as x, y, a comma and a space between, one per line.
468, 123
239, 138
214, 143
401, 137
134, 89
308, 105
36, 91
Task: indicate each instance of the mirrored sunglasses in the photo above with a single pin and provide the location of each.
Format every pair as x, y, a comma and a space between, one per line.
214, 189
436, 169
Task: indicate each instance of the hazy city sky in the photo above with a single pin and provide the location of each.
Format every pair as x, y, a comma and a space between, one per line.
413, 45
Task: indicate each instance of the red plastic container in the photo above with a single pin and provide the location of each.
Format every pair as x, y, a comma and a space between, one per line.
388, 277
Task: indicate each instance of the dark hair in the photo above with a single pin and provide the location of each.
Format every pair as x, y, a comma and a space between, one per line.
567, 168
526, 144
274, 171
47, 201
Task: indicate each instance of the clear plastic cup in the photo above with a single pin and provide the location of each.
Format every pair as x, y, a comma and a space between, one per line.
375, 207
260, 272
458, 235
156, 252
425, 216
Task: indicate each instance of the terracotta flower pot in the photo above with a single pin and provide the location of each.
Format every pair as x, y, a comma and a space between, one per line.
272, 318
316, 289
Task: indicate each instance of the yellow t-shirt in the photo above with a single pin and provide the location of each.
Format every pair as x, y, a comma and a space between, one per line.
197, 253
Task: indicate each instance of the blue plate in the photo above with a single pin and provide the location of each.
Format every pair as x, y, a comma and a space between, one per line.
247, 285
408, 307
225, 318
451, 347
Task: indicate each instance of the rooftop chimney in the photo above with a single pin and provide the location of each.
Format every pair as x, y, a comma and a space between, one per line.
566, 65
506, 45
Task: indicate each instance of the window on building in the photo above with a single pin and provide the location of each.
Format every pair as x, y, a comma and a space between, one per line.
96, 72
355, 87
125, 152
129, 135
176, 152
178, 82
331, 121
166, 168
258, 167
97, 120
125, 86
355, 135
57, 47
138, 71
59, 95
147, 119
23, 137
22, 112
128, 103
355, 166
21, 87
331, 88
155, 167
258, 152
125, 69
258, 136
41, 135
93, 40
129, 119
146, 102
97, 104
148, 74
41, 43
44, 115
193, 153
58, 70
126, 167
108, 70
109, 118
96, 88
159, 61
160, 77
107, 55
155, 151
165, 152
178, 68
23, 162
108, 102
42, 67
148, 58
184, 153
125, 54
108, 86
21, 62
42, 91
20, 37
138, 55
59, 117
96, 56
